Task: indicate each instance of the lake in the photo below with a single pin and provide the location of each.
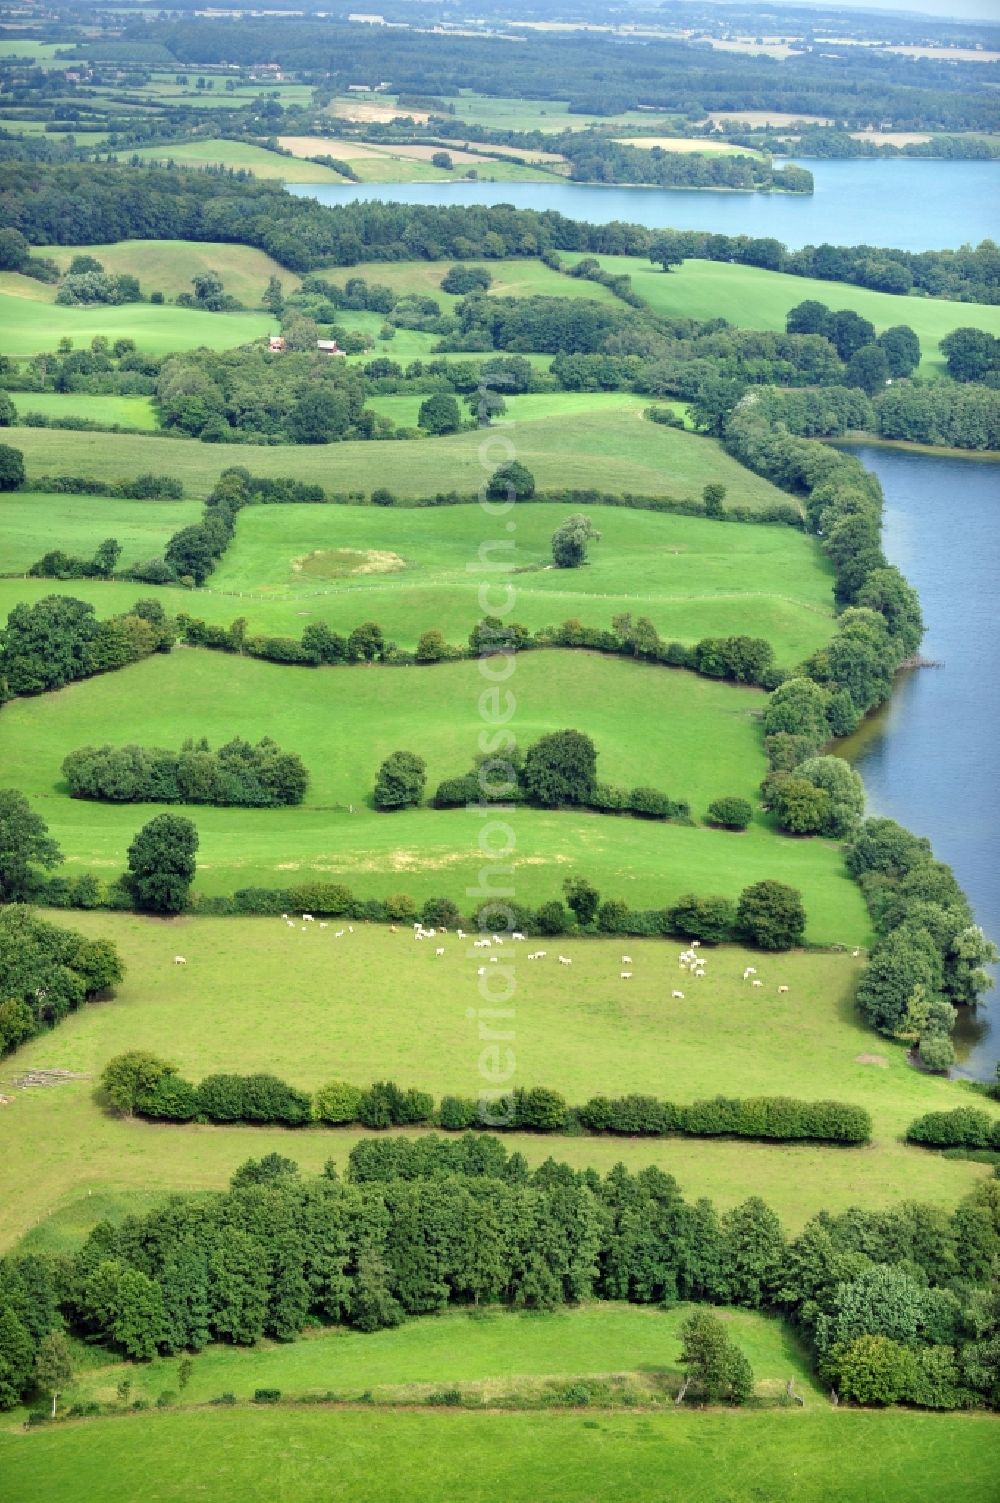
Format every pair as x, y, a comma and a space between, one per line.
911, 204
931, 757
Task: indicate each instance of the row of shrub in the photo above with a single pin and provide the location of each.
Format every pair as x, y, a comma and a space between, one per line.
143, 1085
963, 1127
146, 487
260, 776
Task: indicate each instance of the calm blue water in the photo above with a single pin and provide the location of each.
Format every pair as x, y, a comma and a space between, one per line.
909, 204
931, 758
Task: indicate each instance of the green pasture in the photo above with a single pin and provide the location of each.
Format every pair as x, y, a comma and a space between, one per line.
488, 1352
31, 328
651, 726
298, 1456
239, 156
257, 995
168, 266
21, 47
128, 412
542, 114
691, 576
751, 298
514, 277
31, 524
389, 167
614, 450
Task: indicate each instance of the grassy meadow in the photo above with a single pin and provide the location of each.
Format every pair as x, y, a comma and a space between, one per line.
649, 725
240, 156
691, 576
289, 1456
126, 412
752, 298
33, 327
614, 450
168, 266
488, 1353
31, 524
256, 995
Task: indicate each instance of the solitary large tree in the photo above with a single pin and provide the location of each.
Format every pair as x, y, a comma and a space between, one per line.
24, 840
161, 864
400, 781
713, 1364
570, 539
53, 1366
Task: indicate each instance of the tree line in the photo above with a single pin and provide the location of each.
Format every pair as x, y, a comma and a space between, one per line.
894, 1306
93, 203
141, 1084
259, 776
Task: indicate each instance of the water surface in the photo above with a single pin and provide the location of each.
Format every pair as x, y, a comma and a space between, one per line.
911, 204
931, 757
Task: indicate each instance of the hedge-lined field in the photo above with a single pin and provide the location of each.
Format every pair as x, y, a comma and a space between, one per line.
128, 412
751, 298
487, 1352
240, 156
257, 995
33, 523
167, 266
651, 727
690, 576
610, 450
32, 328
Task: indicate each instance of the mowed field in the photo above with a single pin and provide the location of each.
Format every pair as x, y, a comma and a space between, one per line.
31, 327
651, 726
751, 298
256, 995
609, 448
168, 266
31, 524
240, 156
288, 1456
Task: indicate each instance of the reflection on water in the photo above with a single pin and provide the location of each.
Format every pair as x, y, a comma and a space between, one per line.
930, 757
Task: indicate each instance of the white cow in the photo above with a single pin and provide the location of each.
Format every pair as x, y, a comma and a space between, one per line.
565, 960
626, 960
679, 995
782, 989
179, 960
625, 976
757, 983
439, 950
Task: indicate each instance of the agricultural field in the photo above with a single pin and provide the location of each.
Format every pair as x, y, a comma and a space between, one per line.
126, 412
520, 277
31, 524
591, 449
33, 327
692, 577
377, 163
168, 266
240, 156
374, 1457
489, 1353
335, 836
376, 1004
687, 144
752, 298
